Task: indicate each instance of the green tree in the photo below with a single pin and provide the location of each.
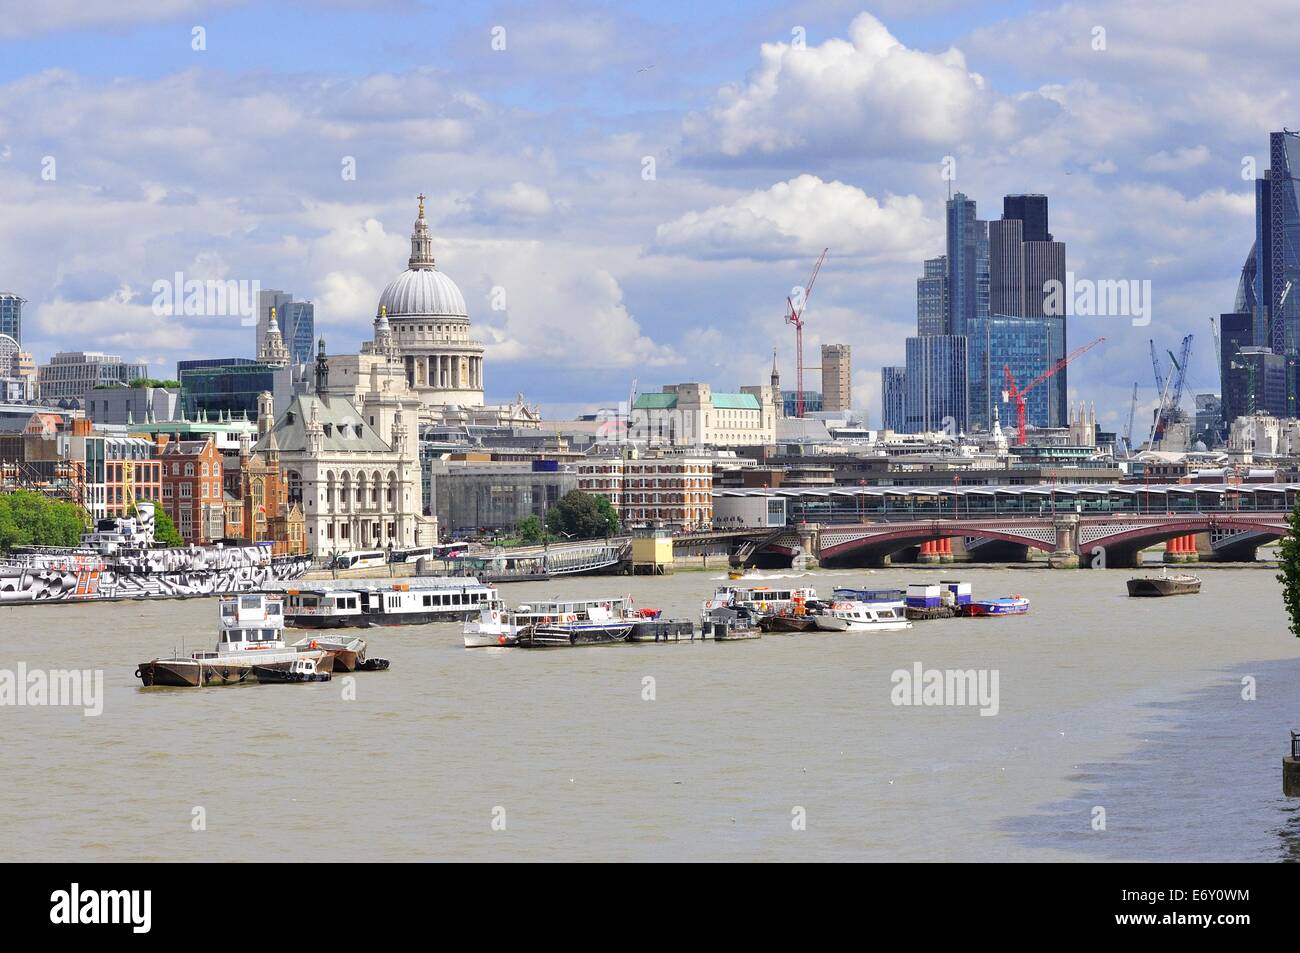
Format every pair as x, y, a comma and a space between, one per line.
1289, 564
28, 518
530, 530
582, 516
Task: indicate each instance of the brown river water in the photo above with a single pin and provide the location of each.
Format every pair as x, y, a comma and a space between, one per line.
784, 748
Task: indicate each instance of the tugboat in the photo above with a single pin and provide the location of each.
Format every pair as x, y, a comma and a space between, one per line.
298, 671
252, 634
1179, 584
731, 625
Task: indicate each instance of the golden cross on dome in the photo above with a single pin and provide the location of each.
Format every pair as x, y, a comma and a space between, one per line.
421, 198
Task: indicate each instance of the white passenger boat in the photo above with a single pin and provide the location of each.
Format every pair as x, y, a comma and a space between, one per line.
252, 634
498, 626
870, 616
602, 626
361, 602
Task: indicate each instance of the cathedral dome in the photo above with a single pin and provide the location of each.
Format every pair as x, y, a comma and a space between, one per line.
423, 292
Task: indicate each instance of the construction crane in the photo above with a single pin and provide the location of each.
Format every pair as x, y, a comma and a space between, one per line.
795, 316
1170, 389
1132, 409
1016, 394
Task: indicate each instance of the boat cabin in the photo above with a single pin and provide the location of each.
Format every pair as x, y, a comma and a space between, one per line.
254, 621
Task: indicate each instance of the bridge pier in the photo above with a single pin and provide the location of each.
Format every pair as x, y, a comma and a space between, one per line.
809, 543
1182, 549
1066, 554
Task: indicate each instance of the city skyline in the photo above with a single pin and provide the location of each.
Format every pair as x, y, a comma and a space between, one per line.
243, 178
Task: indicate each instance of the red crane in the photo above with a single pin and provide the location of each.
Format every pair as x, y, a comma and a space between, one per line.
1012, 392
795, 316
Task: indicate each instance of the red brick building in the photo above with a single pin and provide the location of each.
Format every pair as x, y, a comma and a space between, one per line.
192, 488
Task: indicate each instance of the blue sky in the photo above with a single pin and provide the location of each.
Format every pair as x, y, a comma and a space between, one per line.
225, 163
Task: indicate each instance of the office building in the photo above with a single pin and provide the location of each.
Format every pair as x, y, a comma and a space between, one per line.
938, 395
893, 398
72, 375
932, 297
1006, 342
11, 315
837, 377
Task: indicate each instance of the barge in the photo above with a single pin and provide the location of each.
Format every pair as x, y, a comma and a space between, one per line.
251, 635
1179, 584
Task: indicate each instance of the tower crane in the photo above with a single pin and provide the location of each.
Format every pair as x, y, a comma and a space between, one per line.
1132, 409
795, 316
1016, 394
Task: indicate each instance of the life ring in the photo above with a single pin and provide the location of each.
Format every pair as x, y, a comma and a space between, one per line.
314, 644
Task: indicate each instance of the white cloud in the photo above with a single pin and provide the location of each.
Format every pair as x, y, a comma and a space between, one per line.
800, 217
1187, 157
867, 95
520, 198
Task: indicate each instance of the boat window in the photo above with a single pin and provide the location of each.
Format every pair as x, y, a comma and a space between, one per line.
250, 602
273, 608
236, 636
229, 610
428, 600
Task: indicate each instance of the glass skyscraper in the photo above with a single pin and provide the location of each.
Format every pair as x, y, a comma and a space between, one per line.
1001, 342
932, 297
938, 397
297, 320
968, 264
893, 399
11, 316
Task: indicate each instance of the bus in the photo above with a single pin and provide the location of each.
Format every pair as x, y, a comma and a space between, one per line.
359, 559
416, 553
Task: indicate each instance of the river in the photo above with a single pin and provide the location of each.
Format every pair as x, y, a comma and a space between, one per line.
785, 748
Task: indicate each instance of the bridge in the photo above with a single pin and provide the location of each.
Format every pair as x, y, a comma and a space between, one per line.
1104, 525
542, 562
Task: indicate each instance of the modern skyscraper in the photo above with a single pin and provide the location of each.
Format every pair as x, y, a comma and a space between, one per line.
932, 297
1031, 211
11, 316
1006, 267
937, 384
968, 267
297, 320
1236, 331
1001, 342
893, 398
837, 377
1045, 262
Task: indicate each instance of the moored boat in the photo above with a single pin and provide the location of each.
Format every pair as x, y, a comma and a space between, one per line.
602, 626
868, 617
1177, 584
252, 634
1005, 605
300, 670
363, 602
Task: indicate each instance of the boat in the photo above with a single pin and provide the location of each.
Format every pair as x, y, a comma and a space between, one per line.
251, 634
499, 626
349, 650
787, 623
1178, 584
1005, 605
762, 600
602, 626
300, 670
731, 625
118, 560
361, 603
869, 617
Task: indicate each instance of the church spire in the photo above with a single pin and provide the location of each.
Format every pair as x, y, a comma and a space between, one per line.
421, 243
273, 351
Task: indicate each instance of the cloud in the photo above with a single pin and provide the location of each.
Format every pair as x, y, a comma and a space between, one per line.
798, 218
519, 199
50, 16
867, 95
1186, 157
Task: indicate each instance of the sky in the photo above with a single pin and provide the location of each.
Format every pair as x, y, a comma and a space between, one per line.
627, 193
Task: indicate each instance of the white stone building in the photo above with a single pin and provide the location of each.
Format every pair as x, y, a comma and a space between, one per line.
351, 462
693, 415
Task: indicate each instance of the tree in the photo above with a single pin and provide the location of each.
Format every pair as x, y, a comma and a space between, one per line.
1289, 564
582, 515
530, 529
28, 518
